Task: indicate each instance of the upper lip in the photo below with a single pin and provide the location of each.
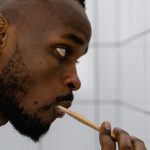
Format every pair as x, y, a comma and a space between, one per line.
65, 100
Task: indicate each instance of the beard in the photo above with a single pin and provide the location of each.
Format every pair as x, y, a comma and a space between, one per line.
14, 82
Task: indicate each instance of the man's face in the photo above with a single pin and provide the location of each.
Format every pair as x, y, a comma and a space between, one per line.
41, 73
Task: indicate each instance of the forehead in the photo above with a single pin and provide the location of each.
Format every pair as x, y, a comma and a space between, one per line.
58, 16
54, 9
69, 12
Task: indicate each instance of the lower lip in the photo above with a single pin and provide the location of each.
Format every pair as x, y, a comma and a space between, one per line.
59, 113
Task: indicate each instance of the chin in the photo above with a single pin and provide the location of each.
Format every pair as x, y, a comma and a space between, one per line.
28, 125
32, 128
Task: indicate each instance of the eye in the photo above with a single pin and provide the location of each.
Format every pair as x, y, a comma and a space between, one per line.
61, 51
64, 53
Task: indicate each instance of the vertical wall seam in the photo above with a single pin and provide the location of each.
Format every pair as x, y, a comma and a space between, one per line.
118, 60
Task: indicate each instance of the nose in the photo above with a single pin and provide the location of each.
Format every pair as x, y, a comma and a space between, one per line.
72, 80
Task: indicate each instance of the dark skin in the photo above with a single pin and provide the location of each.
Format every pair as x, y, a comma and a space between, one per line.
40, 45
122, 139
38, 64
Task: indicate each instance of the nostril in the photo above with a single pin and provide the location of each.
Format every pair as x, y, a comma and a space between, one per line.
71, 86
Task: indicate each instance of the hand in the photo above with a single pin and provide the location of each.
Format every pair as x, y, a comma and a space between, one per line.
123, 139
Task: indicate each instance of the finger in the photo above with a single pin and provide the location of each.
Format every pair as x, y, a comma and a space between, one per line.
137, 143
106, 140
123, 139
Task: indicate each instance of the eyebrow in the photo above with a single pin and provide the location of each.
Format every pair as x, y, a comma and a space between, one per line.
73, 38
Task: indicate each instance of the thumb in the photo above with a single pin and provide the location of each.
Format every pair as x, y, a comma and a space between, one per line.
105, 138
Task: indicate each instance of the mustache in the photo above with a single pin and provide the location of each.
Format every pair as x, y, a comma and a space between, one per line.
67, 97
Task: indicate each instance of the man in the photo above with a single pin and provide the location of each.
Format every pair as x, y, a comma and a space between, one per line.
41, 40
40, 43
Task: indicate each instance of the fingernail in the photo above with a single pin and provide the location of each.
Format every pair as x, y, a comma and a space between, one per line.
107, 125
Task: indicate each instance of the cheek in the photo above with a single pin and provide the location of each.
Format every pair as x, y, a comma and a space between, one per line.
40, 94
45, 83
40, 102
43, 67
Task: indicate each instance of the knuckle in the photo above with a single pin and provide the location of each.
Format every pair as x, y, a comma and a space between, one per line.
119, 132
137, 140
127, 147
122, 133
142, 142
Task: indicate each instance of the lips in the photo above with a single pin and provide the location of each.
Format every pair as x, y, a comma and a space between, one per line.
68, 97
64, 101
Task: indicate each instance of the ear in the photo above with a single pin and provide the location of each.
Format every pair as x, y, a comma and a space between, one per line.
3, 31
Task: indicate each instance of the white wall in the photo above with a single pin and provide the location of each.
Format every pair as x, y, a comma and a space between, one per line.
115, 77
